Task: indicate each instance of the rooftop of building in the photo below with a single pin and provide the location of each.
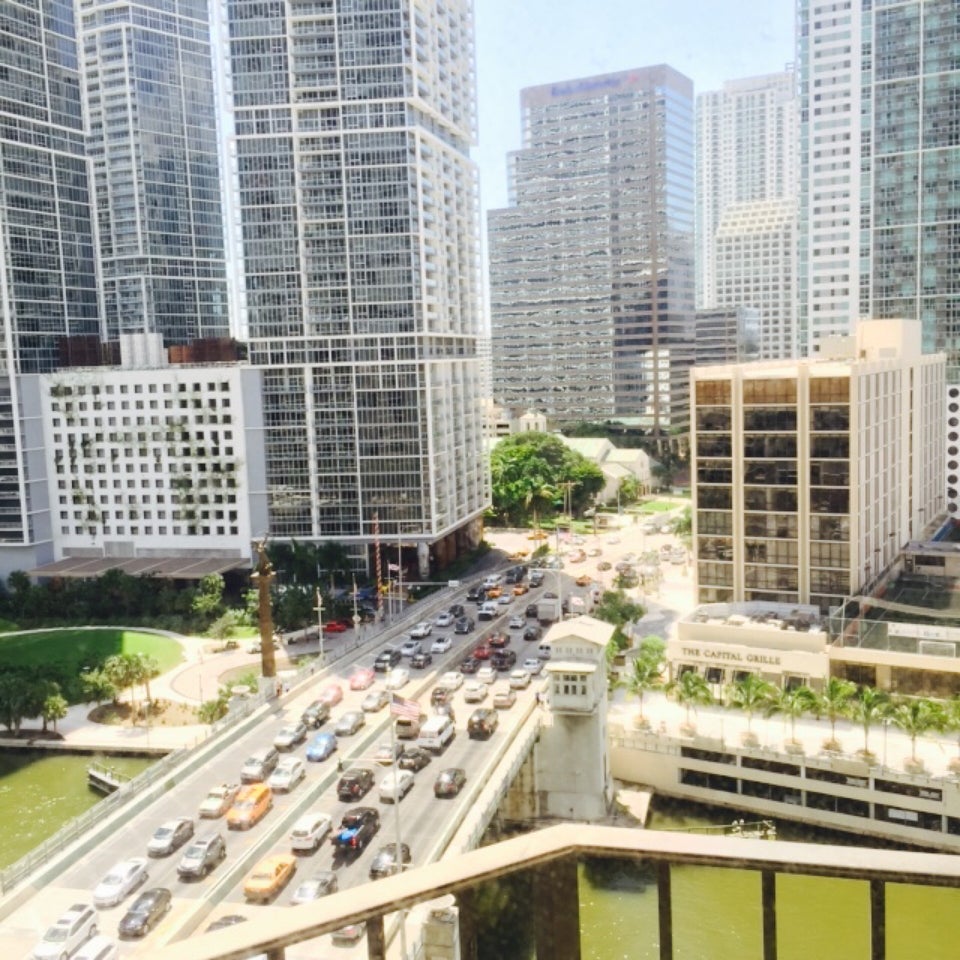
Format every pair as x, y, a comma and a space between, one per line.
758, 613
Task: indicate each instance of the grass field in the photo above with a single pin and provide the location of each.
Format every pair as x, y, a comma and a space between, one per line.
75, 650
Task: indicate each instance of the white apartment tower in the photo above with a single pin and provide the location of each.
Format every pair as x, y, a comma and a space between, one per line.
810, 475
358, 209
746, 221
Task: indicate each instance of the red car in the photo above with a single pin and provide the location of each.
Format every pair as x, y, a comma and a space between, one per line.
481, 651
362, 678
336, 626
499, 640
331, 694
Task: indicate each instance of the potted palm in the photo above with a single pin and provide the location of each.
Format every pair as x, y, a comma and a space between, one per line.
952, 711
689, 690
644, 676
867, 708
793, 703
916, 717
833, 703
750, 693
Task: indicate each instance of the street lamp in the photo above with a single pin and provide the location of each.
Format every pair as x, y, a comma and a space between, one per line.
319, 609
356, 614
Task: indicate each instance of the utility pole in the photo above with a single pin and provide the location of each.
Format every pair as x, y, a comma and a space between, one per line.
263, 577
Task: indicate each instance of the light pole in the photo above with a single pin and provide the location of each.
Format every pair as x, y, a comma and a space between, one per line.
319, 609
356, 615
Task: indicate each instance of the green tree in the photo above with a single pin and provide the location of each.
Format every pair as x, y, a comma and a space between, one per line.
14, 701
55, 708
123, 671
212, 710
645, 675
834, 702
97, 686
208, 599
683, 527
867, 708
653, 648
147, 668
690, 690
916, 717
793, 702
952, 712
222, 628
750, 694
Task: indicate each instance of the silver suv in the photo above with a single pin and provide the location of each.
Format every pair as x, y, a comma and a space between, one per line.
74, 928
201, 857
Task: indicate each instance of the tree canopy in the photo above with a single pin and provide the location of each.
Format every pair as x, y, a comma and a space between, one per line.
529, 473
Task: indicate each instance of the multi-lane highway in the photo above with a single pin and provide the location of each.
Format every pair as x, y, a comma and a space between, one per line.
422, 816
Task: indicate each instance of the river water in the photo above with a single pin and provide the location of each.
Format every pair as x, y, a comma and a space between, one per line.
40, 792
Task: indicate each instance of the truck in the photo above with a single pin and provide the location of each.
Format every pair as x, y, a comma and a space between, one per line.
357, 829
549, 610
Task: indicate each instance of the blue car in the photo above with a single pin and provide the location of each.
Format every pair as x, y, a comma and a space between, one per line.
321, 746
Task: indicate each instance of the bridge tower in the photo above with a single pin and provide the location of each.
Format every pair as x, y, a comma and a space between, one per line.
572, 768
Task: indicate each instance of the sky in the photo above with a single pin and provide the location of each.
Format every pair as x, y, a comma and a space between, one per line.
522, 43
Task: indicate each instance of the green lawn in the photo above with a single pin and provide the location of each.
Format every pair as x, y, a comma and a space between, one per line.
74, 650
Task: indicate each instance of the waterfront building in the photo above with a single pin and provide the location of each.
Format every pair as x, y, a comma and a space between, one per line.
47, 264
809, 476
153, 149
591, 265
747, 179
358, 206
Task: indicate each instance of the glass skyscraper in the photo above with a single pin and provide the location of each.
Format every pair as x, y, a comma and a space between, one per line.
154, 158
591, 266
358, 205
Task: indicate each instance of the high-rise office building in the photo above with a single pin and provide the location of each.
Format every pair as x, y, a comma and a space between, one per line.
358, 205
47, 272
152, 138
591, 265
747, 186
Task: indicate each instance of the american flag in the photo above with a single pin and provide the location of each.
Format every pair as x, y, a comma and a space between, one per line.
399, 707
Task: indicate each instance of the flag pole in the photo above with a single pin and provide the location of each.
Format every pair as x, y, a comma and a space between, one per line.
396, 815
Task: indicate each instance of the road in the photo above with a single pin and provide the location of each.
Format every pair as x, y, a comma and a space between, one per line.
422, 815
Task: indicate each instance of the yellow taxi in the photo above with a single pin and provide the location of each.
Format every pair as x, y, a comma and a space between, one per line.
269, 877
520, 589
494, 592
249, 806
537, 535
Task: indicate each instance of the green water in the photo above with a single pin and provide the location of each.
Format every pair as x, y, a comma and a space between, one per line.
40, 792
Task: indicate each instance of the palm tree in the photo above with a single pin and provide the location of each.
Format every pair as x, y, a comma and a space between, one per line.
792, 703
123, 671
690, 689
866, 708
916, 717
834, 702
645, 676
952, 709
148, 667
750, 693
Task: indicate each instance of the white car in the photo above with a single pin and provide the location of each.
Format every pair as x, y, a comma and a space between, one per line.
98, 948
397, 678
74, 927
451, 680
444, 619
475, 692
290, 735
122, 879
290, 771
505, 599
422, 629
310, 831
349, 723
517, 622
410, 647
520, 679
441, 645
486, 674
374, 701
533, 666
395, 785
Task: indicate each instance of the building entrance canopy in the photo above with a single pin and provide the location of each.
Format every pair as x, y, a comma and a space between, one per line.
172, 568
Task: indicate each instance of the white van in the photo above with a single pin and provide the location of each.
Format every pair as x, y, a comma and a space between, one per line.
436, 733
543, 651
488, 611
408, 728
494, 580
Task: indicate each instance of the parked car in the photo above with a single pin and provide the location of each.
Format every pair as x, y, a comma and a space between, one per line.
357, 828
422, 629
291, 735
354, 784
505, 699
464, 625
269, 877
441, 645
482, 723
375, 701
316, 714
387, 658
413, 758
362, 678
396, 785
170, 836
321, 746
75, 926
120, 881
349, 723
385, 863
420, 661
450, 782
321, 884
310, 831
219, 800
202, 856
290, 771
145, 912
259, 765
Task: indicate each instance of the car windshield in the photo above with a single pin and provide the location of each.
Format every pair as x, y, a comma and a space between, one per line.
113, 879
196, 850
57, 933
162, 833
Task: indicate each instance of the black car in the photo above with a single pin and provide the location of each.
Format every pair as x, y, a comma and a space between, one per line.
440, 695
499, 640
532, 633
385, 862
387, 660
464, 625
531, 611
536, 578
419, 661
450, 782
413, 758
316, 714
476, 594
201, 857
354, 784
503, 660
482, 723
470, 665
456, 610
145, 912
